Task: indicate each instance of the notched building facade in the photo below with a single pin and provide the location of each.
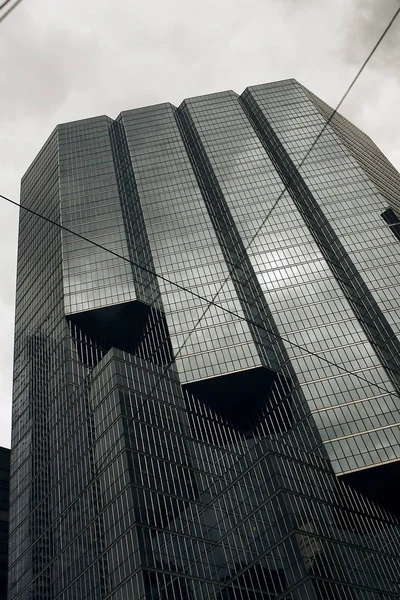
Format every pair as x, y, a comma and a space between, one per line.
230, 429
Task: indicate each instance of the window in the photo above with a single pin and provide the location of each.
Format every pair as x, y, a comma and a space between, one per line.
393, 221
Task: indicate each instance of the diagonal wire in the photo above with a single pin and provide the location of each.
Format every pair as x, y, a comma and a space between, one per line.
212, 301
326, 124
204, 299
307, 154
7, 12
3, 4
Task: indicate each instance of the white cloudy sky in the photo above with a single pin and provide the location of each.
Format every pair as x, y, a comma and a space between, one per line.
62, 60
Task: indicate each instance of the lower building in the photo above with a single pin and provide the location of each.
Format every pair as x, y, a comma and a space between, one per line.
4, 506
166, 447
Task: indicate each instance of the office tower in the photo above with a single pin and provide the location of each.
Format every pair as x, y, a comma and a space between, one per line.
166, 447
4, 504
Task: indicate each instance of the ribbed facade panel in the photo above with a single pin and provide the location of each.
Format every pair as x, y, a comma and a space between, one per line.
327, 191
185, 249
91, 206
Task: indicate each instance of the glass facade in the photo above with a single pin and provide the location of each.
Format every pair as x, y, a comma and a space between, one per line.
228, 430
4, 517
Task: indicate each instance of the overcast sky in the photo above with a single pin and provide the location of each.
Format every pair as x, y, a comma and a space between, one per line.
70, 59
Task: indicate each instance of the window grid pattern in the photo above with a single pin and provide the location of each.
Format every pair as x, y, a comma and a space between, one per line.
130, 478
91, 207
185, 249
325, 185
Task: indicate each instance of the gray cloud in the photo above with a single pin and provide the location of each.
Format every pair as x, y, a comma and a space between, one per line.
40, 69
66, 60
369, 20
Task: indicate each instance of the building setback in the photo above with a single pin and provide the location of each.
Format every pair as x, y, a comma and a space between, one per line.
166, 448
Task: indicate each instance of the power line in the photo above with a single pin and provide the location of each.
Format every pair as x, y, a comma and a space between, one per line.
194, 294
326, 124
3, 16
3, 4
212, 301
214, 297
